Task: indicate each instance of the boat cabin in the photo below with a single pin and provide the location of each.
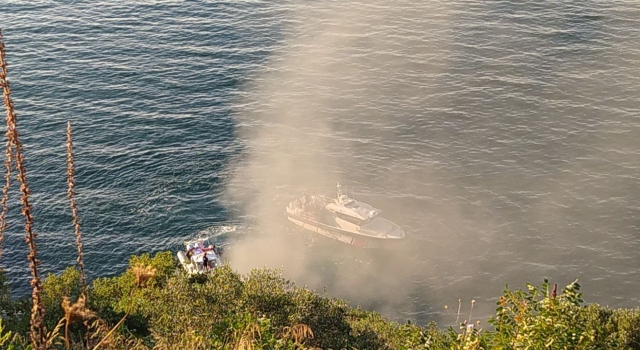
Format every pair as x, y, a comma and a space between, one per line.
350, 210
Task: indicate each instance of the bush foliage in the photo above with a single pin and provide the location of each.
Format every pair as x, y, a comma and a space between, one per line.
166, 309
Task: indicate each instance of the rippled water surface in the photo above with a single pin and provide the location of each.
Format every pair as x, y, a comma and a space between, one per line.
504, 136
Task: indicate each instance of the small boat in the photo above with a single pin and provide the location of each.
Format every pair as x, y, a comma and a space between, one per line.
200, 256
343, 219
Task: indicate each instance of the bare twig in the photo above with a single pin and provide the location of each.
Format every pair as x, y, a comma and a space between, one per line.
459, 307
473, 302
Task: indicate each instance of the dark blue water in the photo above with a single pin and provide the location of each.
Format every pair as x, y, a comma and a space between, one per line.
503, 136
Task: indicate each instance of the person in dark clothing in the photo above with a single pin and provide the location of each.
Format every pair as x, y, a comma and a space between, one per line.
205, 262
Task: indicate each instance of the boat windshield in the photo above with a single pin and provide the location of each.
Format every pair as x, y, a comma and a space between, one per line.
205, 243
346, 201
350, 204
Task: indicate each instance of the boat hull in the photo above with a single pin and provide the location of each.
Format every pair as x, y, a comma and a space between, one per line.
338, 234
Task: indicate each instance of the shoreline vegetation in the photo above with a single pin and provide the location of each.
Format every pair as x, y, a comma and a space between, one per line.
154, 305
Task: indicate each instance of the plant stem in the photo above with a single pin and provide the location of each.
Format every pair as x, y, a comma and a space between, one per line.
112, 330
66, 334
5, 190
37, 313
119, 322
74, 208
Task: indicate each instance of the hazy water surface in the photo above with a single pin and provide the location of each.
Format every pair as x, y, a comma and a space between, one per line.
504, 136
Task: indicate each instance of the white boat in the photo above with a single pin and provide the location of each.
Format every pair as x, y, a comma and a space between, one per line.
343, 219
199, 256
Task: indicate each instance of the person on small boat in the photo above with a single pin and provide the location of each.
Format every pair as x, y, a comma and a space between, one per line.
205, 262
190, 250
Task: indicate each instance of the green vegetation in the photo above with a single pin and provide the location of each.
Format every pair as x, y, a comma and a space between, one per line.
154, 305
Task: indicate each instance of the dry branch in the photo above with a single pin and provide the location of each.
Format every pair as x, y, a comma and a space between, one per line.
74, 208
38, 332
